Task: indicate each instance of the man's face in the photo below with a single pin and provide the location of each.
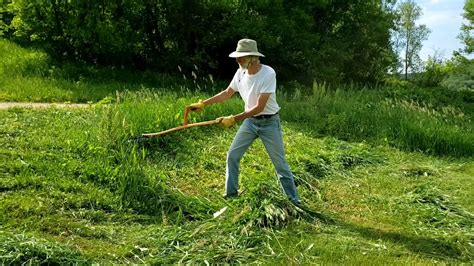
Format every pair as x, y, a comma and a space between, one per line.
243, 62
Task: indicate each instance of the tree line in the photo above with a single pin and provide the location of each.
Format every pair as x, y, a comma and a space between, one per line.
326, 40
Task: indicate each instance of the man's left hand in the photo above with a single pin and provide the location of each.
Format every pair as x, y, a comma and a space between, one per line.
197, 107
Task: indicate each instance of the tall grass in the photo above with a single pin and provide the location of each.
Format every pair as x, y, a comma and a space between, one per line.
369, 115
146, 111
133, 114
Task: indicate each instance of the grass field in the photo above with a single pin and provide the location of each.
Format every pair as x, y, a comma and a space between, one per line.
387, 175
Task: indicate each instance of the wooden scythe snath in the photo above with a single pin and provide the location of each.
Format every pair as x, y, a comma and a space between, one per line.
184, 126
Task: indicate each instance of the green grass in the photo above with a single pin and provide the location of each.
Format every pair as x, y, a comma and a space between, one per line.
386, 174
74, 189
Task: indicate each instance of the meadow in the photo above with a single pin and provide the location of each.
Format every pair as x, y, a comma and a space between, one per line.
385, 173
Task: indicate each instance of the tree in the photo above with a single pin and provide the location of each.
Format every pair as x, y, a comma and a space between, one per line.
461, 72
410, 36
5, 18
307, 40
467, 35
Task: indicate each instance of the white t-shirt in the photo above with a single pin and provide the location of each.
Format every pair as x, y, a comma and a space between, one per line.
251, 86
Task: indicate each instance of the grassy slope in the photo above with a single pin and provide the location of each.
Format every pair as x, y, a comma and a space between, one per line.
72, 188
30, 75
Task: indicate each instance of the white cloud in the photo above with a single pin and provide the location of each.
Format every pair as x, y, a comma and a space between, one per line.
441, 12
440, 17
444, 19
425, 3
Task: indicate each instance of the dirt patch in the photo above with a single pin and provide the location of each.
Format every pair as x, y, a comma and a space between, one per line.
8, 105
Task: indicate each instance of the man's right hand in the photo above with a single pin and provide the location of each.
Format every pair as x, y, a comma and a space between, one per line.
197, 107
226, 121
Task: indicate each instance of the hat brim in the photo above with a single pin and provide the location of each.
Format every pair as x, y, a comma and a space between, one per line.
241, 54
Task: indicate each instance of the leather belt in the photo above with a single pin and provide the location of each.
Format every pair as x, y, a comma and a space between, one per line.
264, 116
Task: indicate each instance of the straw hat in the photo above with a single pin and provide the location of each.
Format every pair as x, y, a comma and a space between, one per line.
246, 47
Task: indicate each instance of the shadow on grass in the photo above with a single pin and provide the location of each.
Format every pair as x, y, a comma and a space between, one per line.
425, 246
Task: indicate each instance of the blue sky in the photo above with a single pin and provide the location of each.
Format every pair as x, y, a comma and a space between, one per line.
444, 19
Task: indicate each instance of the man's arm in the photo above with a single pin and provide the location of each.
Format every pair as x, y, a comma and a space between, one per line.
220, 97
261, 102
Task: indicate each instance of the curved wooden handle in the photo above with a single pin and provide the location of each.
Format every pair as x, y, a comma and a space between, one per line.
171, 130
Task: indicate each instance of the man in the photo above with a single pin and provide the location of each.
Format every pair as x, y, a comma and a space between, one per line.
256, 84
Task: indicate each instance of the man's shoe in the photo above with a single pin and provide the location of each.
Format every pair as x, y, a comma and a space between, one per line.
231, 196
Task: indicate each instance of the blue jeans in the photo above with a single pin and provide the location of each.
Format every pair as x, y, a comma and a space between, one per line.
269, 131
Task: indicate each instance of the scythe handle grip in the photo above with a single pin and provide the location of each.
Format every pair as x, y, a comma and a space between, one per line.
186, 115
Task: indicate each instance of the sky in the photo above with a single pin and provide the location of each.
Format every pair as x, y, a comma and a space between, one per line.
444, 19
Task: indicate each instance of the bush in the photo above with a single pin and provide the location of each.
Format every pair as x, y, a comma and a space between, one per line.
435, 71
335, 41
462, 75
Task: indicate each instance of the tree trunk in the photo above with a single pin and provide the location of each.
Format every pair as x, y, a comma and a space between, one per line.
406, 55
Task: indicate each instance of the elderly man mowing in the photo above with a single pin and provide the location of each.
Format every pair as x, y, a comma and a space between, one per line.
256, 84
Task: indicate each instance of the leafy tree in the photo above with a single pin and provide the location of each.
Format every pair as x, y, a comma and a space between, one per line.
467, 35
334, 41
410, 36
461, 73
5, 18
324, 40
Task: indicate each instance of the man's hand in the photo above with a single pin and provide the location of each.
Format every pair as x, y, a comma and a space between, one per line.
226, 121
197, 107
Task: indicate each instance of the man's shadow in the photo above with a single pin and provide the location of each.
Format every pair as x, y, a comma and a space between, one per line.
426, 246
423, 245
